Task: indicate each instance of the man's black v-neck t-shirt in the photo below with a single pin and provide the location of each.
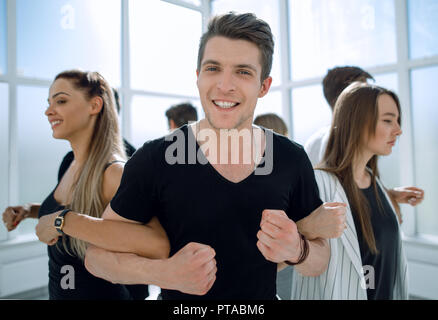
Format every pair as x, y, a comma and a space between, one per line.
194, 203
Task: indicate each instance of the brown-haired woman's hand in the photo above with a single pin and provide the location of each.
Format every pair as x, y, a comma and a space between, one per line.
327, 221
409, 195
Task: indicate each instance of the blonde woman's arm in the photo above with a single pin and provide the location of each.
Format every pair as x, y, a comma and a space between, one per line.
111, 232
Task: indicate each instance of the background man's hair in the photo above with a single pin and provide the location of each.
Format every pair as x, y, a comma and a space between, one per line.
182, 113
338, 78
244, 26
116, 99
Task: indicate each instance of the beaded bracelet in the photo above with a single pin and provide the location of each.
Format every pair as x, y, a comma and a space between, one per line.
304, 246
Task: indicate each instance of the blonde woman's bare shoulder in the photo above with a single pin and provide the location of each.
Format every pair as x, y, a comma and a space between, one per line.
111, 179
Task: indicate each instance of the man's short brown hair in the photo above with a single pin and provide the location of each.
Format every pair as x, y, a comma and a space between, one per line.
182, 113
338, 78
244, 26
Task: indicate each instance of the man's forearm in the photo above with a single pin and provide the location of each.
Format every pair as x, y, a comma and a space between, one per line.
317, 260
191, 270
124, 268
118, 236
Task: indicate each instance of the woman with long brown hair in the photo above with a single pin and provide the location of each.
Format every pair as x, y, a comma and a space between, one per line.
367, 261
81, 110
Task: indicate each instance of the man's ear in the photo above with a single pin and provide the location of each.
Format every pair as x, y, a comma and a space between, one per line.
96, 105
172, 124
264, 88
197, 78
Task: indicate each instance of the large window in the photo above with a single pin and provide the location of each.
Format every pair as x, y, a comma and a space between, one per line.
423, 28
53, 36
369, 34
148, 120
310, 112
423, 52
395, 40
194, 2
3, 36
36, 149
148, 50
164, 42
326, 33
4, 163
425, 125
271, 103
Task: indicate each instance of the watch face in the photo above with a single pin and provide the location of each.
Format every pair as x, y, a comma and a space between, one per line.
58, 222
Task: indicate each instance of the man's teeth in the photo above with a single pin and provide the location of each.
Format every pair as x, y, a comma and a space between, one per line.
224, 104
54, 123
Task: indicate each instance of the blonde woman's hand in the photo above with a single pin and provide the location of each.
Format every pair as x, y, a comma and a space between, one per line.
12, 216
45, 229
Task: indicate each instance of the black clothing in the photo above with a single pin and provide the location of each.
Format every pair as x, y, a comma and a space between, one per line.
129, 149
194, 203
86, 286
65, 164
386, 233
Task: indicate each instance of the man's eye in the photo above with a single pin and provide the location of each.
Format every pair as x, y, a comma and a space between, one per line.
61, 101
211, 69
244, 72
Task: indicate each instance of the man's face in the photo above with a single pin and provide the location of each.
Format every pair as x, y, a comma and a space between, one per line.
229, 82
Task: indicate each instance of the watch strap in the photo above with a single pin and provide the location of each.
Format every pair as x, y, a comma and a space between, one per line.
59, 220
63, 213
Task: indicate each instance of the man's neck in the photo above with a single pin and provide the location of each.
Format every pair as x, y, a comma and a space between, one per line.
230, 146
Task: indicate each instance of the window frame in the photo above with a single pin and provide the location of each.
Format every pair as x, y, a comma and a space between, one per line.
403, 67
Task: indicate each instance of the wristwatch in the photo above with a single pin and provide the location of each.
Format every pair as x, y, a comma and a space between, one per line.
59, 221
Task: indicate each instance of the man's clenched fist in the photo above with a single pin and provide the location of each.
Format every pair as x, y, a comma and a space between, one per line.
278, 237
191, 270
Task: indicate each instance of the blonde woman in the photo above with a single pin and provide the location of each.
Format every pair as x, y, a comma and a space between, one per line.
367, 261
81, 110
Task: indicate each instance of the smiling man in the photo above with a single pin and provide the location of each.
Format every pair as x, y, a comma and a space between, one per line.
228, 226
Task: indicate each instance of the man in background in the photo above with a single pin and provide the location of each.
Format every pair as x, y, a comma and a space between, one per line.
180, 114
334, 82
129, 149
